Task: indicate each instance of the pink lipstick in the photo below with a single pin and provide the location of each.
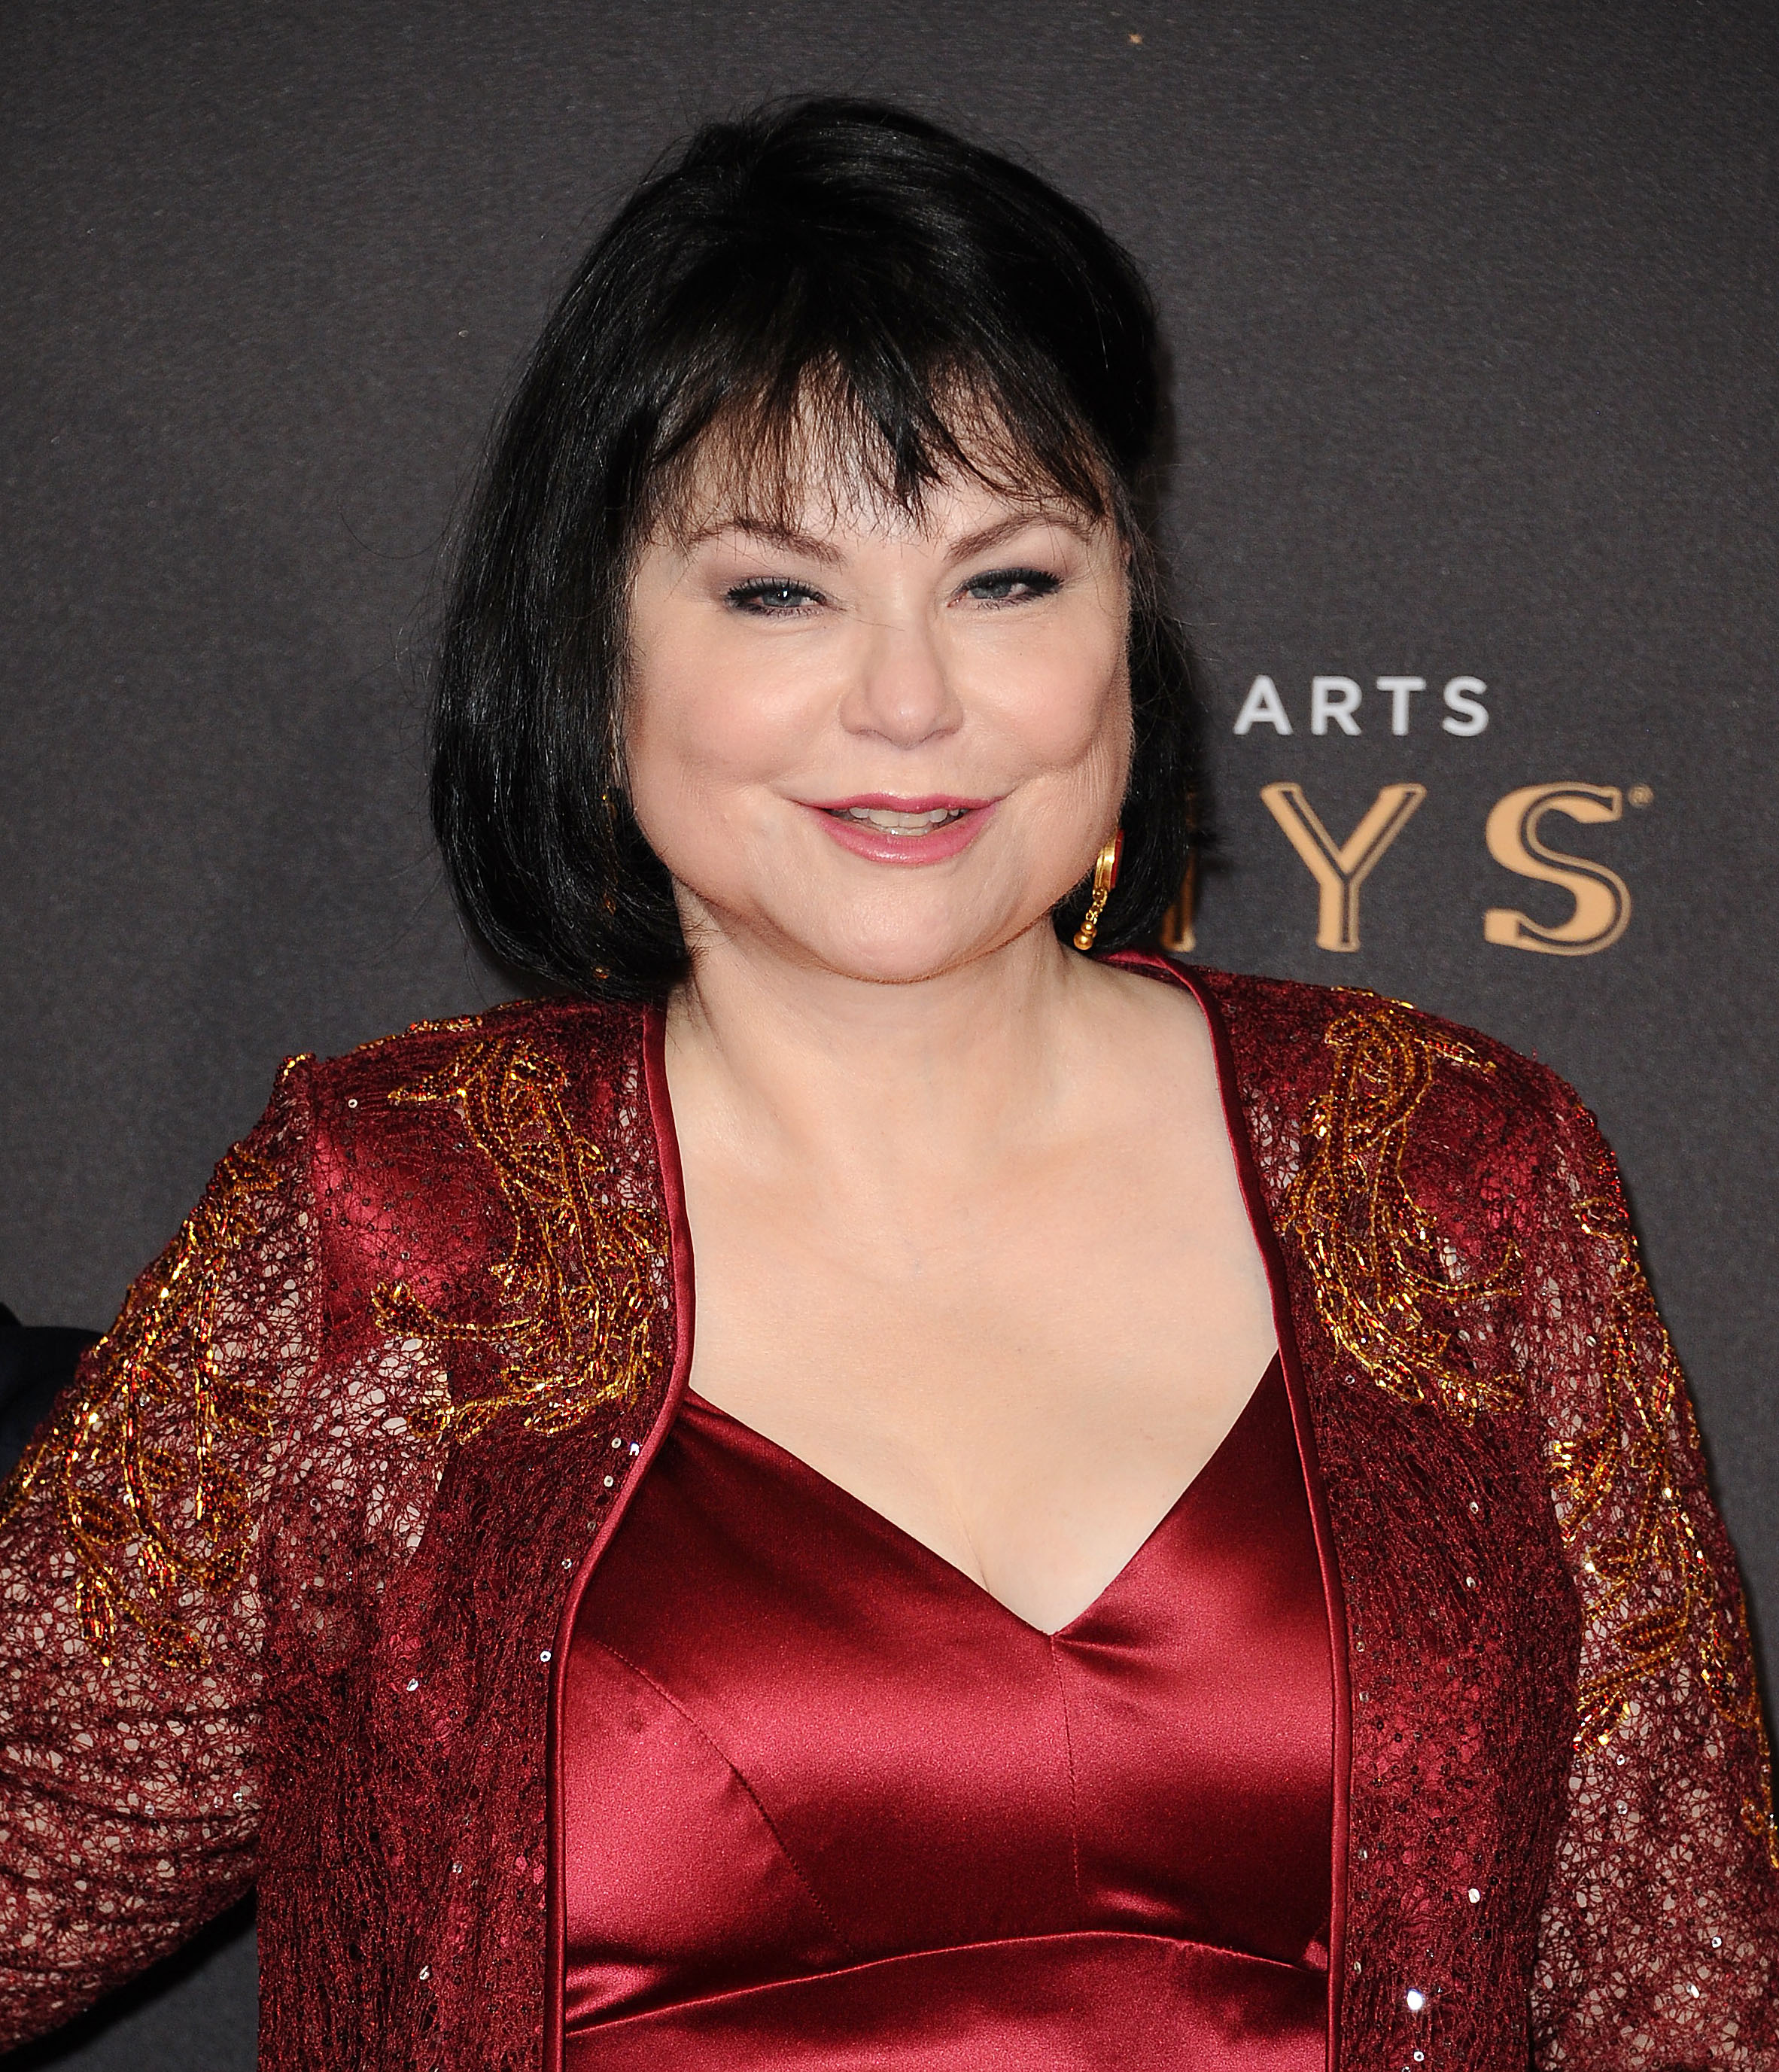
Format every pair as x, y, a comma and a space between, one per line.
886, 829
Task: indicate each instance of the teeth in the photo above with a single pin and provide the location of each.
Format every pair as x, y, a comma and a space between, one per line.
893, 823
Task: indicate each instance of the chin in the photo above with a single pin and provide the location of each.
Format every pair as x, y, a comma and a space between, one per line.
883, 949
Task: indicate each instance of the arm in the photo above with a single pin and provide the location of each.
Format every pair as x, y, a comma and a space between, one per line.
130, 1628
1659, 1937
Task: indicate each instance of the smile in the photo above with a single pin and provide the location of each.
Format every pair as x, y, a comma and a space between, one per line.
890, 830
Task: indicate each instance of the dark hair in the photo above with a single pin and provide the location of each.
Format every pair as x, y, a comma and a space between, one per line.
932, 306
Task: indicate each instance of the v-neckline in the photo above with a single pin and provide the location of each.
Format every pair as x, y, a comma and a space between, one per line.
881, 1523
685, 1283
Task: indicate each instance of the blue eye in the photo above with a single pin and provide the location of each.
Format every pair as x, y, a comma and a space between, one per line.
1011, 585
771, 597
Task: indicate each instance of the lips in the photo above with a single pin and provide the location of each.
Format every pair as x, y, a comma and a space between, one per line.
886, 829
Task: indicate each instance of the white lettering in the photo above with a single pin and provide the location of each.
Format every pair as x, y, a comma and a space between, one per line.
1400, 689
1263, 702
1334, 698
1461, 694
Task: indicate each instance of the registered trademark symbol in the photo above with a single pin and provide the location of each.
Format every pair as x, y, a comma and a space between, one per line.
1640, 795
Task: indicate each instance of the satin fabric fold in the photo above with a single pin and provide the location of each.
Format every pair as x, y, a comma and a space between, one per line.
826, 1801
1089, 2003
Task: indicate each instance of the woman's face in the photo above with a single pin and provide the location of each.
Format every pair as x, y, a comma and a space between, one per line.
879, 746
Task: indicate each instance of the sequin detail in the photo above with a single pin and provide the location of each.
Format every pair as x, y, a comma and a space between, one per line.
148, 1522
575, 1332
1618, 1486
1375, 1256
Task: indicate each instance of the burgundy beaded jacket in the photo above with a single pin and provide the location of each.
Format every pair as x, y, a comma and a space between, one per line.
284, 1584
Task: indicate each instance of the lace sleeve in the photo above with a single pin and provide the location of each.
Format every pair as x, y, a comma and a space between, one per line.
130, 1627
1659, 1943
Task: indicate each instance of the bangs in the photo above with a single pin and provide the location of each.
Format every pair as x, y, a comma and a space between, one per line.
818, 427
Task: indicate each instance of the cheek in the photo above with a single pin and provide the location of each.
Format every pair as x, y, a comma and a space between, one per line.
702, 719
1063, 698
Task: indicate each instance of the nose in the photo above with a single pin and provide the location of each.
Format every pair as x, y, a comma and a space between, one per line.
902, 692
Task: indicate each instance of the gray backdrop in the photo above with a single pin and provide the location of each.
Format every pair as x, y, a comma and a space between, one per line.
1471, 312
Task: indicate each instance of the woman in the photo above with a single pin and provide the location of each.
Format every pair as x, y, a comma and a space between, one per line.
1179, 1538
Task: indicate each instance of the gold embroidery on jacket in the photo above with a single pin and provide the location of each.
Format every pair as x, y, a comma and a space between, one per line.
1376, 1266
1375, 1256
575, 1332
149, 1523
1657, 1591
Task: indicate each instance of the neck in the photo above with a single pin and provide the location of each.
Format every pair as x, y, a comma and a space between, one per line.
785, 1065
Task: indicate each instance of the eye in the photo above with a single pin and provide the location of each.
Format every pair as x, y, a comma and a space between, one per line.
772, 596
1010, 587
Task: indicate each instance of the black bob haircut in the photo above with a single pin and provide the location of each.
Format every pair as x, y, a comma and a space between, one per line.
926, 306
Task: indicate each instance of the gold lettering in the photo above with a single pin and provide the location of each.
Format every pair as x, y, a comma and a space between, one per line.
1602, 900
1339, 872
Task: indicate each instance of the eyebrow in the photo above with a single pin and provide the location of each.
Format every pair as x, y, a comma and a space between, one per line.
769, 534
980, 541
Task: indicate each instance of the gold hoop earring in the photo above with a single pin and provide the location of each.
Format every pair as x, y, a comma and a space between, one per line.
1105, 877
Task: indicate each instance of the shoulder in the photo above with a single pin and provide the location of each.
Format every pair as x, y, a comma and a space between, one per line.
436, 1155
1343, 1074
1284, 1031
1426, 1170
588, 1046
431, 1119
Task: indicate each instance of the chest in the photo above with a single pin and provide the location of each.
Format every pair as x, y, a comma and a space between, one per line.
1023, 1376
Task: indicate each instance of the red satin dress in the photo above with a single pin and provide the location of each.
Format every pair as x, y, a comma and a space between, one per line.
829, 1804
